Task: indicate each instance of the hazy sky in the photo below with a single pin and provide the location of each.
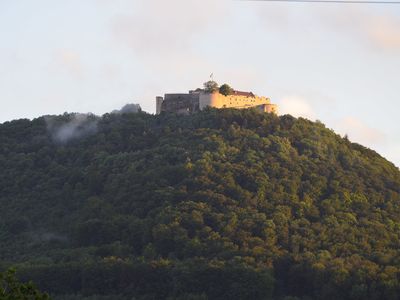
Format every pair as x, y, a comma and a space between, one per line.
336, 63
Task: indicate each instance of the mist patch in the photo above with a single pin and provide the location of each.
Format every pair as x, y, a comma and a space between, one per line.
76, 126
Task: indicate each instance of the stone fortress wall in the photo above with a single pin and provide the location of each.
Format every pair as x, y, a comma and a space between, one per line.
198, 100
178, 103
239, 101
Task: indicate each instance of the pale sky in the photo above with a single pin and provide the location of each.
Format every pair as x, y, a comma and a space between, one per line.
336, 63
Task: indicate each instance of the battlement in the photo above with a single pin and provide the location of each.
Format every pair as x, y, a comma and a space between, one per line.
199, 99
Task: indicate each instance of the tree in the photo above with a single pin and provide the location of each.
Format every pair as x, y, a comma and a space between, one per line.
12, 289
210, 86
225, 89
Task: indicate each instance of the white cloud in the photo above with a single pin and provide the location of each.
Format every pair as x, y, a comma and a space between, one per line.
380, 29
68, 61
385, 32
296, 106
166, 28
360, 132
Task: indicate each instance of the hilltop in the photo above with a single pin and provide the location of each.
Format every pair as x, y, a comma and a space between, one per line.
220, 204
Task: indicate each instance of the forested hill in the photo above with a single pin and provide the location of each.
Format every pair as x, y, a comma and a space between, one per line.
222, 204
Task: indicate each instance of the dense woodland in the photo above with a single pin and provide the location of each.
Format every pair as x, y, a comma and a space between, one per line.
222, 204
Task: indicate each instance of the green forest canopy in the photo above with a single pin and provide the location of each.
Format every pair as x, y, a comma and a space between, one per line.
12, 289
219, 204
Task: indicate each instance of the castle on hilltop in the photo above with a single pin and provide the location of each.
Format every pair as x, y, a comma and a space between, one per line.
213, 96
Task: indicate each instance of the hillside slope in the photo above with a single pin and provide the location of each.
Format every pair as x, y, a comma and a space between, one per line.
221, 204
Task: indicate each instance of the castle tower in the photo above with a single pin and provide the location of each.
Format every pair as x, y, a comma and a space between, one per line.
159, 101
